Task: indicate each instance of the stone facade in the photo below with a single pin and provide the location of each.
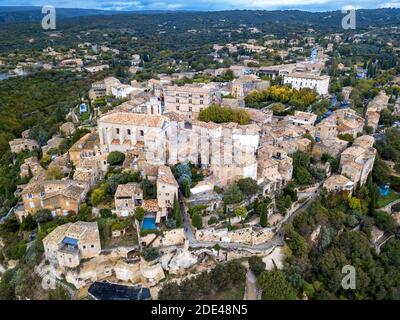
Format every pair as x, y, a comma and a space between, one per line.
70, 243
190, 99
357, 162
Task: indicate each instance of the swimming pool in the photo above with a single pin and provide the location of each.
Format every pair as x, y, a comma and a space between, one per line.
384, 191
149, 223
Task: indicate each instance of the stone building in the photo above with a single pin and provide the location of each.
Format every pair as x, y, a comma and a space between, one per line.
61, 197
67, 129
307, 80
87, 147
67, 245
244, 85
357, 162
167, 189
190, 99
374, 109
227, 149
339, 183
127, 198
21, 144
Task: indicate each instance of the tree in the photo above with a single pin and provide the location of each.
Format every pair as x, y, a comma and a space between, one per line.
275, 286
248, 186
257, 265
150, 254
177, 212
42, 216
197, 221
241, 212
139, 214
186, 188
303, 176
115, 158
264, 220
54, 173
233, 195
106, 213
98, 196
381, 172
170, 291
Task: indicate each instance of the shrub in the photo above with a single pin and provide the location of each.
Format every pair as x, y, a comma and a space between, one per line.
257, 265
115, 158
197, 221
150, 254
139, 214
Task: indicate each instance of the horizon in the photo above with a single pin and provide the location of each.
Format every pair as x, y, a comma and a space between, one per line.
206, 5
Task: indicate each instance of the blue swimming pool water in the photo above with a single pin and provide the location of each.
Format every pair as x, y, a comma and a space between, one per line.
149, 223
384, 191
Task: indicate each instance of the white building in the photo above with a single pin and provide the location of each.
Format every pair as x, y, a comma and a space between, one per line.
304, 80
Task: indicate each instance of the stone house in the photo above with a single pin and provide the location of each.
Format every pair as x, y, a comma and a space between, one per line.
357, 162
21, 144
167, 189
61, 197
67, 245
67, 129
339, 183
127, 198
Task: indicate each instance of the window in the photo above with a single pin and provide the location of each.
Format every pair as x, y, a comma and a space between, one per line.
190, 100
177, 108
190, 109
117, 130
177, 100
141, 133
129, 132
92, 246
201, 102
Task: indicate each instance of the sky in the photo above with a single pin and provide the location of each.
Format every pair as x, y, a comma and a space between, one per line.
208, 5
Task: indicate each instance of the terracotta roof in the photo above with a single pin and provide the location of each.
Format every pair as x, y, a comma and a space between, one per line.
133, 119
165, 176
128, 190
87, 231
151, 205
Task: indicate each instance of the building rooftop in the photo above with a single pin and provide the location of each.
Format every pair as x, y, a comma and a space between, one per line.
136, 119
128, 190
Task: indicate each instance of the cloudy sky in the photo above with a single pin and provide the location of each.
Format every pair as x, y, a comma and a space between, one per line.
128, 5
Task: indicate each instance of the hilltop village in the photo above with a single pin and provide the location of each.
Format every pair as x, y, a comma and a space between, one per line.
153, 182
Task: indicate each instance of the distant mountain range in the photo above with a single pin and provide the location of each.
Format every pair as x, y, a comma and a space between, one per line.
22, 14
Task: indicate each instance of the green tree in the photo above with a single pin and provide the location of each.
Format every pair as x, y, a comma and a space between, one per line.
115, 158
177, 212
264, 220
150, 254
233, 195
139, 214
248, 186
275, 286
257, 265
241, 212
197, 221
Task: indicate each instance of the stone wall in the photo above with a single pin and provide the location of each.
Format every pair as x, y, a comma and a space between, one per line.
246, 235
174, 237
